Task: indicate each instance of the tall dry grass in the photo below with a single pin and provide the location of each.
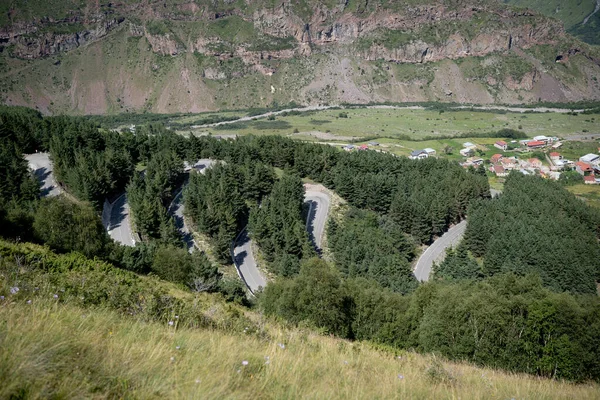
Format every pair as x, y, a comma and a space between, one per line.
49, 348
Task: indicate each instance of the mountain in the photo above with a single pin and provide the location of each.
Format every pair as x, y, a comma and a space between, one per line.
581, 17
97, 57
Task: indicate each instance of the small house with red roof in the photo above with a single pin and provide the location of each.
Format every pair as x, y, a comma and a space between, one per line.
535, 144
589, 180
534, 163
584, 168
508, 162
499, 171
496, 158
554, 156
501, 144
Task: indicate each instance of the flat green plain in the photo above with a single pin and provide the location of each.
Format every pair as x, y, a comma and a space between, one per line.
416, 124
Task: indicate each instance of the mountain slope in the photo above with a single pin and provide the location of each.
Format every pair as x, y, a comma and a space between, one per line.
188, 57
580, 17
78, 328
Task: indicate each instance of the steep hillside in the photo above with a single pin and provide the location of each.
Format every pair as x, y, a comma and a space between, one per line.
91, 57
581, 17
77, 328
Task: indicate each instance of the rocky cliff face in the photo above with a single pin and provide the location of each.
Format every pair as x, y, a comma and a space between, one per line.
339, 47
33, 41
323, 28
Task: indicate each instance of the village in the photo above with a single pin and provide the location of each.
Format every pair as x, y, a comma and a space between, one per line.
537, 156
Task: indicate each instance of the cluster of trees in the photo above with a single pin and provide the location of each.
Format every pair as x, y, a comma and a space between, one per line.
18, 187
66, 225
217, 201
92, 164
507, 322
375, 247
536, 226
279, 228
150, 194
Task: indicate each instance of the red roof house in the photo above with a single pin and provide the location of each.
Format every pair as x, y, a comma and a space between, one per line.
535, 163
535, 144
496, 158
584, 169
499, 170
555, 156
501, 144
590, 180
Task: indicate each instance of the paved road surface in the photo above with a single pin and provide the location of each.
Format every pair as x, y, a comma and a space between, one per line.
317, 216
246, 264
42, 169
176, 210
437, 251
119, 227
177, 207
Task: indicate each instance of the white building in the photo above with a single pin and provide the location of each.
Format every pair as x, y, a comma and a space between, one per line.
430, 152
591, 158
466, 152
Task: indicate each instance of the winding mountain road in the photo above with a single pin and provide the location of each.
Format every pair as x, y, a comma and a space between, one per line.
317, 216
437, 251
243, 257
42, 168
119, 224
176, 208
244, 261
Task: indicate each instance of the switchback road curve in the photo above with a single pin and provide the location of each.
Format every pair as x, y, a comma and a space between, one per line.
437, 251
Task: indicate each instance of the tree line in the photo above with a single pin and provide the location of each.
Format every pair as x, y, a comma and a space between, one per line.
535, 226
507, 321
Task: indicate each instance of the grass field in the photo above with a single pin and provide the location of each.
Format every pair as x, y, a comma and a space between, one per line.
54, 349
589, 193
414, 123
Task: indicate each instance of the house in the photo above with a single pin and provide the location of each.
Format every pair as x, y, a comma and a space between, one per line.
508, 162
363, 147
589, 180
583, 168
496, 158
430, 152
499, 171
475, 161
418, 155
469, 145
556, 145
534, 163
501, 144
535, 144
466, 152
593, 159
554, 156
348, 147
542, 138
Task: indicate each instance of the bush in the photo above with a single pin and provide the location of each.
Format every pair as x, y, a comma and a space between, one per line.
67, 226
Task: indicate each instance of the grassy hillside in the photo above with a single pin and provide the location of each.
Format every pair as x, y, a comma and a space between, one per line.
54, 347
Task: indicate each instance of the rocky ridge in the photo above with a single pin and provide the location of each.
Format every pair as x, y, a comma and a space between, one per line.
355, 39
